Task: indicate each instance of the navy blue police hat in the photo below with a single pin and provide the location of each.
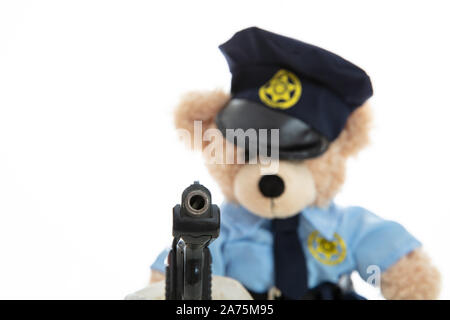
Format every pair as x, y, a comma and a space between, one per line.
281, 83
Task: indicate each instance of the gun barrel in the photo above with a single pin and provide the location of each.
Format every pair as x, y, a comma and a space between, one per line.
197, 202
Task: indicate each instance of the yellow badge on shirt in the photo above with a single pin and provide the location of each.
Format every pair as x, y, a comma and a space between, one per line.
282, 91
325, 251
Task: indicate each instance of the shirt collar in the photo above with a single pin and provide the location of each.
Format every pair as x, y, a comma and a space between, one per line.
325, 220
240, 218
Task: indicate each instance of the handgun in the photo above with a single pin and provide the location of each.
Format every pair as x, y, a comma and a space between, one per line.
196, 223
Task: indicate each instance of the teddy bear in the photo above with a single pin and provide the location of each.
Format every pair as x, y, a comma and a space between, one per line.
282, 234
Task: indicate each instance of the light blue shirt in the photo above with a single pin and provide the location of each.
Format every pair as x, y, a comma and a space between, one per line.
336, 241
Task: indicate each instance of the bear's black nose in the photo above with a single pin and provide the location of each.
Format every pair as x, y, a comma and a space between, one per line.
271, 186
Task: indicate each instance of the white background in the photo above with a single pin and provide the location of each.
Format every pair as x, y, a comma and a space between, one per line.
90, 166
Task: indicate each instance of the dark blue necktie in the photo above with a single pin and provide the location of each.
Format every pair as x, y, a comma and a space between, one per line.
290, 264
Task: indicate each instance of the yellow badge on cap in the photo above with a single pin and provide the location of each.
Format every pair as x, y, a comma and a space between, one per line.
282, 91
327, 252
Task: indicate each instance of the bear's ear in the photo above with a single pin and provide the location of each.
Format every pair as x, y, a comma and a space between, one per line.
199, 106
355, 135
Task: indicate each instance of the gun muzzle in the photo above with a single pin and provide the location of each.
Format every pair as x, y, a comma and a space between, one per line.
197, 202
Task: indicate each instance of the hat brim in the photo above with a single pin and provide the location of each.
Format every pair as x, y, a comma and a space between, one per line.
297, 140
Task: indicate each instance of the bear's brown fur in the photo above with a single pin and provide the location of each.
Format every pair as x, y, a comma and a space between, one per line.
412, 277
